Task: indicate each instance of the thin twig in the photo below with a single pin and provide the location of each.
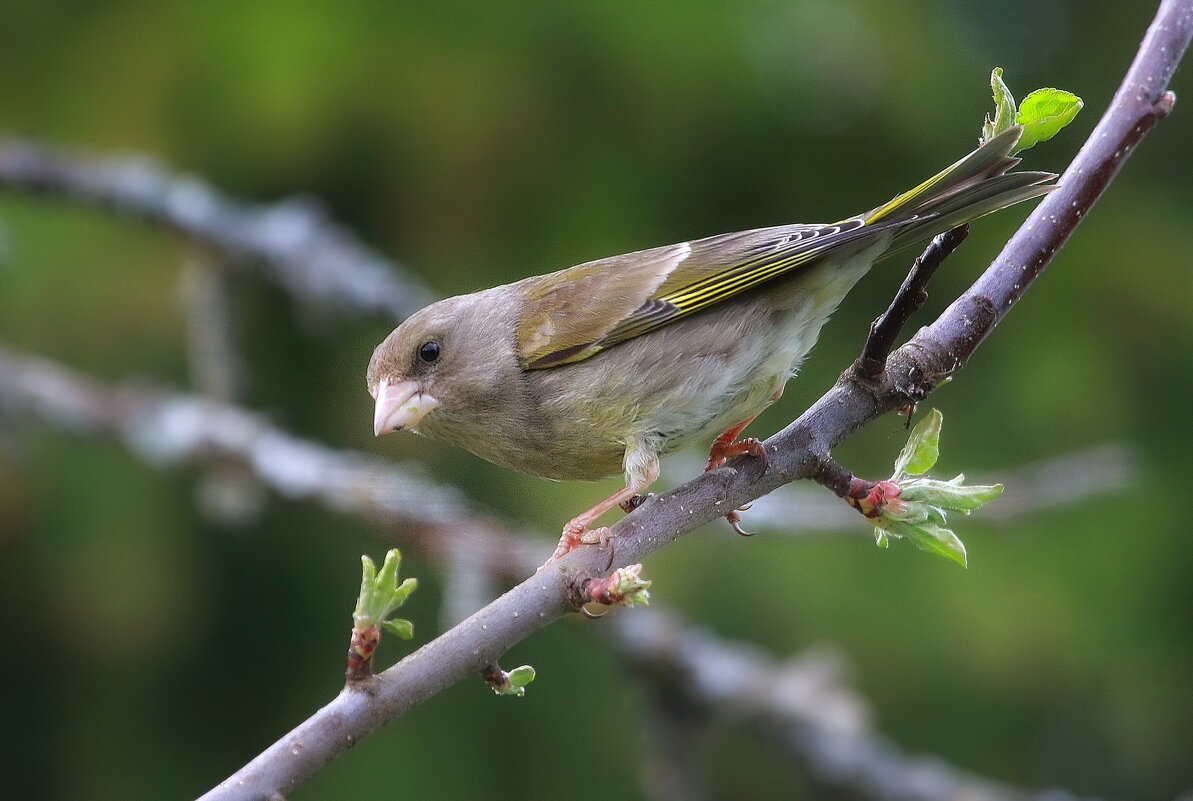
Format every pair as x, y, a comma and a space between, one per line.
216, 362
1141, 101
213, 351
911, 296
1060, 481
675, 723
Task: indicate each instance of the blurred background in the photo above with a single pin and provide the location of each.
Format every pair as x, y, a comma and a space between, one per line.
154, 639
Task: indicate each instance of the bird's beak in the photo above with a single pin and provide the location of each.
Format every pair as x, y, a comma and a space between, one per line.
401, 405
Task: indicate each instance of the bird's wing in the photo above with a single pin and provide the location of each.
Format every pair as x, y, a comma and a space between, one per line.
575, 313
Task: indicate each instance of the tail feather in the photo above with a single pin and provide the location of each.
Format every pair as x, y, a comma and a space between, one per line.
976, 185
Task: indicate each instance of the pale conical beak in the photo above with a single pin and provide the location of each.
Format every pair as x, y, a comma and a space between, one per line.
401, 405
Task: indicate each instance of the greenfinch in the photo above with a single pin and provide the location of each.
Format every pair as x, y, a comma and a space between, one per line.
603, 367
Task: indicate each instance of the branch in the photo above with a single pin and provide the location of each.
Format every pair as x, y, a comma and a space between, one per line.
169, 429
802, 704
911, 296
794, 453
213, 352
292, 242
1141, 101
1062, 481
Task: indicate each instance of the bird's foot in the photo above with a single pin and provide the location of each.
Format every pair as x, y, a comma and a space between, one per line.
576, 534
721, 451
725, 447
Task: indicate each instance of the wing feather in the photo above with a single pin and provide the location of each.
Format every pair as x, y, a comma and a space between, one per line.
566, 313
711, 270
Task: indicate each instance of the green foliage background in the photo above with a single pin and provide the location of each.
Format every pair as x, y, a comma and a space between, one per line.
148, 651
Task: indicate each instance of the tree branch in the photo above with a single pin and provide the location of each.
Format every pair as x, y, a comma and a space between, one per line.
915, 369
292, 242
169, 429
1062, 480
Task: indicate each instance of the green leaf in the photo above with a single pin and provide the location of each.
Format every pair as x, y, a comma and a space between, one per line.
1004, 107
403, 591
922, 448
515, 681
368, 575
951, 496
932, 538
400, 627
1044, 112
521, 676
388, 576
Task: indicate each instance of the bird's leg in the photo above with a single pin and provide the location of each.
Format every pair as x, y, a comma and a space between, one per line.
641, 470
726, 446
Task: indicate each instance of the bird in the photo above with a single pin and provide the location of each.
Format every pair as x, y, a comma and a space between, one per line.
603, 367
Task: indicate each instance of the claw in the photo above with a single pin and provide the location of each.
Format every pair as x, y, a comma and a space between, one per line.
725, 447
632, 503
735, 523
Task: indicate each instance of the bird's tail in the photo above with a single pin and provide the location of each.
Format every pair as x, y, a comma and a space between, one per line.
976, 185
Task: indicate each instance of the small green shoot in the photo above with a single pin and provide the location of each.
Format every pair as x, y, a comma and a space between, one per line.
623, 587
508, 683
1043, 113
518, 678
916, 507
380, 595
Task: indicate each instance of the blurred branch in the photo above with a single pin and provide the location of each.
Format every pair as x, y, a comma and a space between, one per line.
804, 705
912, 371
213, 353
216, 363
292, 241
171, 429
673, 726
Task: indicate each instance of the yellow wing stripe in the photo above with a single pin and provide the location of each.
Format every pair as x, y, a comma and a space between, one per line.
745, 275
903, 199
699, 296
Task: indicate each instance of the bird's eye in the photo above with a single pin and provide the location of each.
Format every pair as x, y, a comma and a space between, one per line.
429, 352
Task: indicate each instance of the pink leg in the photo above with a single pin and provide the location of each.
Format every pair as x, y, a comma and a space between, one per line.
726, 446
642, 468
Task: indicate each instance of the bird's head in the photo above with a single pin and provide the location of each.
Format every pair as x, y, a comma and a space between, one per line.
450, 360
